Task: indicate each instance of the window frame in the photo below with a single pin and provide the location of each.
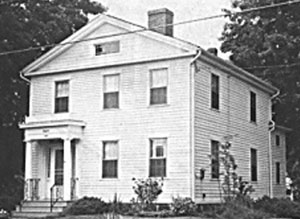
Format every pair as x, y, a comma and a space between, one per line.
215, 161
253, 107
105, 160
215, 92
162, 89
57, 99
106, 94
253, 165
153, 156
104, 45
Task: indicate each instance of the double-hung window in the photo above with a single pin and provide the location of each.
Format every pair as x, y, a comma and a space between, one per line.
158, 86
215, 89
252, 106
111, 91
61, 96
215, 164
158, 158
253, 164
110, 159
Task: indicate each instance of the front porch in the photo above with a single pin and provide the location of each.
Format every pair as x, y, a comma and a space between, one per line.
50, 159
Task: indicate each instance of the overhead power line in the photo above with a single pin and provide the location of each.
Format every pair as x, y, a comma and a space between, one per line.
147, 29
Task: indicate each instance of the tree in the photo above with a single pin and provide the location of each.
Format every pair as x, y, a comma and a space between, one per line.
267, 44
25, 24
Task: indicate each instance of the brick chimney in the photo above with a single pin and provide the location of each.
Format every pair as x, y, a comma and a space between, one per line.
158, 19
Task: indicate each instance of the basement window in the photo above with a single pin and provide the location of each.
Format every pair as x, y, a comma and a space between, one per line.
106, 48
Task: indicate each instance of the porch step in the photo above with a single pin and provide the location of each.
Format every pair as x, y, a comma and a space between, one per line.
39, 209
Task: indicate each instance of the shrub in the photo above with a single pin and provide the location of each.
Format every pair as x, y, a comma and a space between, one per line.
183, 206
147, 191
236, 210
278, 207
87, 205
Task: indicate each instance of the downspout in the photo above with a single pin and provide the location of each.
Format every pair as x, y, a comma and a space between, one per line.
271, 129
192, 116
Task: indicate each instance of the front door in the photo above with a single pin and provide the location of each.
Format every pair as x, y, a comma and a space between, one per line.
59, 167
58, 174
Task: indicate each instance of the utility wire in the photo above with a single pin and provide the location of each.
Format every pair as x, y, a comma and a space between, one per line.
147, 29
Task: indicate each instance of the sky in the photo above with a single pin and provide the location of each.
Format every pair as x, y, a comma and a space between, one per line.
202, 33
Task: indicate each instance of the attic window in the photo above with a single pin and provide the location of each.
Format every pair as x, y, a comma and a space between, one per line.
106, 48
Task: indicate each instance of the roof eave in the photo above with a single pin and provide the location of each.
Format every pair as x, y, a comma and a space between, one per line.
238, 72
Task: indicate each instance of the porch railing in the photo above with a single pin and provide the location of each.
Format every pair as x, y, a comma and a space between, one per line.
56, 194
31, 189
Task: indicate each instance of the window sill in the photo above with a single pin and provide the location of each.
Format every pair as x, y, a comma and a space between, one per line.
110, 109
109, 179
214, 179
254, 123
158, 105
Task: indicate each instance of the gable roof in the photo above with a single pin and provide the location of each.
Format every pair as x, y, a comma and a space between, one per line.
131, 28
99, 20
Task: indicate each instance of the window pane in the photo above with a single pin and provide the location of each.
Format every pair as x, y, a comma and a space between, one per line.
159, 78
111, 100
62, 89
109, 47
252, 107
277, 172
158, 95
61, 104
158, 167
253, 160
110, 150
159, 151
215, 165
111, 83
277, 140
110, 169
215, 91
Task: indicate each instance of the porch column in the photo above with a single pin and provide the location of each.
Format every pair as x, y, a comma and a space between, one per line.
67, 169
28, 160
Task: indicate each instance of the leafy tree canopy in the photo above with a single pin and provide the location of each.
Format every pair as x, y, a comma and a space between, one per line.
267, 44
25, 24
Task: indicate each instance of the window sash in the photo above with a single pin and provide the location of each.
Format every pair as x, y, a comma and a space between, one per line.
111, 83
215, 91
158, 148
110, 150
109, 168
215, 163
62, 89
111, 100
61, 104
157, 167
108, 47
159, 78
277, 140
158, 95
253, 160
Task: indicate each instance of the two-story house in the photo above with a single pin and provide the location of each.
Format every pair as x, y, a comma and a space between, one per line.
116, 100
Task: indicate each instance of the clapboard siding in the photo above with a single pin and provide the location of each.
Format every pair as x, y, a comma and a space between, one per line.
233, 118
82, 55
133, 124
279, 155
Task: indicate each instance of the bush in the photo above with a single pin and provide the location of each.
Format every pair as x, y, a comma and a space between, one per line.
87, 205
147, 191
183, 206
278, 207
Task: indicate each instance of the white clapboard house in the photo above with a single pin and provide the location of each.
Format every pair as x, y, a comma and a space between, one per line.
128, 101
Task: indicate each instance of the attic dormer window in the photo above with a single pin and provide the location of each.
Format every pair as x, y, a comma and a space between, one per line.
106, 48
